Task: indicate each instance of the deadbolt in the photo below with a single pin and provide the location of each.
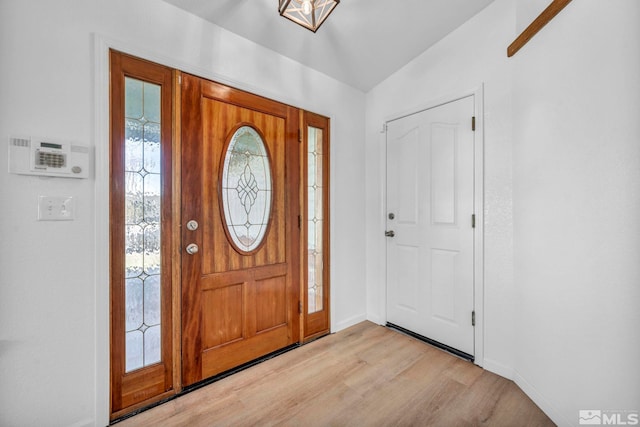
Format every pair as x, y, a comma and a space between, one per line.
391, 215
192, 225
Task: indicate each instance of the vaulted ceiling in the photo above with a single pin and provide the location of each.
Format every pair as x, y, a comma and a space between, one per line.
361, 43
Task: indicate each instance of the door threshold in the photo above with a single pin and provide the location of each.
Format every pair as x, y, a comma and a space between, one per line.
448, 349
237, 369
208, 381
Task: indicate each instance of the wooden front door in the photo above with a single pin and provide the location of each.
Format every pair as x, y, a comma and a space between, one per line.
240, 231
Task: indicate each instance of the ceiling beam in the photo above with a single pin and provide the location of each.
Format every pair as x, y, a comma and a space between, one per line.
543, 19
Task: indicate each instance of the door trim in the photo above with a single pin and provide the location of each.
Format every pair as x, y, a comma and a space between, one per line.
478, 202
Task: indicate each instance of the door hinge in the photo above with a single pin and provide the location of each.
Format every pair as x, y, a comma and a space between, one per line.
179, 79
473, 220
299, 222
299, 307
473, 318
473, 123
299, 136
384, 128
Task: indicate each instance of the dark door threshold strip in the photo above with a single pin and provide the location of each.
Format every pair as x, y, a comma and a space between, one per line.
434, 343
208, 381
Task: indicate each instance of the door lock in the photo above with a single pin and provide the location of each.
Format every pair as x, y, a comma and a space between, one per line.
389, 233
192, 249
192, 225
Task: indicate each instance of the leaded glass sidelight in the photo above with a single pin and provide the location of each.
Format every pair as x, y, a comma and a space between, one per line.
246, 189
142, 183
315, 220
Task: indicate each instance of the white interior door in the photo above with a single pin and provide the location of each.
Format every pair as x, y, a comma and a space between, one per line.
430, 203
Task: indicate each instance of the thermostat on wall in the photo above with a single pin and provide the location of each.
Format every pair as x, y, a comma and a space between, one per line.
43, 156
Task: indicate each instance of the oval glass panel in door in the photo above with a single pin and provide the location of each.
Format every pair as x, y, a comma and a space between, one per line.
246, 189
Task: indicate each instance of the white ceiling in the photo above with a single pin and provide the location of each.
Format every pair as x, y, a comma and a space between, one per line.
361, 43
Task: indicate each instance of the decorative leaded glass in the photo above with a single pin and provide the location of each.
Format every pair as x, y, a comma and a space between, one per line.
315, 209
246, 189
142, 224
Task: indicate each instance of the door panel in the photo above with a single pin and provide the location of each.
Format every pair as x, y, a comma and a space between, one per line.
443, 274
407, 274
237, 305
430, 260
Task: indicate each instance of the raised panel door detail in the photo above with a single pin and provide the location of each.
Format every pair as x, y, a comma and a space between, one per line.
407, 170
443, 283
443, 174
224, 321
270, 303
408, 277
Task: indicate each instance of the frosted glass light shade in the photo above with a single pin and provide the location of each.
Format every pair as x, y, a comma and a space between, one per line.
295, 11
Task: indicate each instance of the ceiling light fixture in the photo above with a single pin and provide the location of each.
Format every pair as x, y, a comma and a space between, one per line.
308, 13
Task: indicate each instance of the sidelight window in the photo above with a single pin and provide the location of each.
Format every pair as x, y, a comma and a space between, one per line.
316, 221
142, 182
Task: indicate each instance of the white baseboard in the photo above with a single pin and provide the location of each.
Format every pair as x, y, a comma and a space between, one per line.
498, 368
528, 389
378, 320
344, 324
542, 402
84, 423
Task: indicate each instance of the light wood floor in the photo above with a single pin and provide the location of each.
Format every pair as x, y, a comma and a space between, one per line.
366, 375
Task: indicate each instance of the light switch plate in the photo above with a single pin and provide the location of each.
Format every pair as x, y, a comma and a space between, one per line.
56, 208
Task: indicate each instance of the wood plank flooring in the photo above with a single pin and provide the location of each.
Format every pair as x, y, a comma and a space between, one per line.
366, 375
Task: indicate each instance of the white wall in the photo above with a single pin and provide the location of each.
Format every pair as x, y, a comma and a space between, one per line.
471, 55
53, 311
562, 194
577, 208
